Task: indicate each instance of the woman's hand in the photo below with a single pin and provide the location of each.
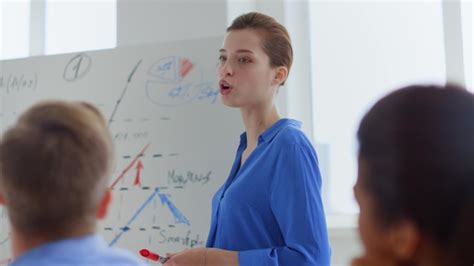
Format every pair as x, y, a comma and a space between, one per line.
203, 257
193, 256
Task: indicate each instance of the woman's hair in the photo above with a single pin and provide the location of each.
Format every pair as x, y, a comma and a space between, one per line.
418, 146
55, 164
276, 40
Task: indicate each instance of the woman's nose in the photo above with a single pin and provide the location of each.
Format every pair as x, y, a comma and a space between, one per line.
225, 69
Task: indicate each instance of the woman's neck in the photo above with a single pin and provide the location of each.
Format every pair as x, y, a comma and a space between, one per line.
256, 120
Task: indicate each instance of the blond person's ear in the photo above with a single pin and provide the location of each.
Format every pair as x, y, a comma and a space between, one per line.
104, 204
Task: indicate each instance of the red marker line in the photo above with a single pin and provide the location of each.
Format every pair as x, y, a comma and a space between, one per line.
186, 66
152, 256
139, 167
129, 166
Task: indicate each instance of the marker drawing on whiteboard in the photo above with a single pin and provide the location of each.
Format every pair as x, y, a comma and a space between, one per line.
111, 119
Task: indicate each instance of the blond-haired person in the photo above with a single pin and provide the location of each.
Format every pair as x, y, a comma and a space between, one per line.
55, 162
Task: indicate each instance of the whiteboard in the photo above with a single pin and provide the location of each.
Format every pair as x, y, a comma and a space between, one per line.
174, 140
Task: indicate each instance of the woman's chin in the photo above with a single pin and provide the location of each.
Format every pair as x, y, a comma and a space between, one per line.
227, 102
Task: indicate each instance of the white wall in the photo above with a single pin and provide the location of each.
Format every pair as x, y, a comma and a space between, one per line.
142, 21
345, 245
467, 9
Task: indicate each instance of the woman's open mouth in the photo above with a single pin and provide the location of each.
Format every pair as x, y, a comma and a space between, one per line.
225, 87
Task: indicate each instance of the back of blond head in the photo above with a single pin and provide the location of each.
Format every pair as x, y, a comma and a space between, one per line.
54, 166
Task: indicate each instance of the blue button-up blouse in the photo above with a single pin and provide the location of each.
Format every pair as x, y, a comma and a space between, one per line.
270, 208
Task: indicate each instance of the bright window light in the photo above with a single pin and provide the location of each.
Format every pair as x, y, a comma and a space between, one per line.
361, 50
14, 28
73, 25
467, 9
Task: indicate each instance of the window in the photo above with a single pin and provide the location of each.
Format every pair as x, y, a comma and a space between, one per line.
467, 9
360, 51
73, 25
56, 26
14, 29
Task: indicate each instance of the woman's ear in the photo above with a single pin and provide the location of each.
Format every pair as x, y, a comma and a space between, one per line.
280, 75
404, 239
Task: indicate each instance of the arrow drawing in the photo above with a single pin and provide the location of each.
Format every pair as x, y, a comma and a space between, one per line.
178, 215
139, 171
142, 152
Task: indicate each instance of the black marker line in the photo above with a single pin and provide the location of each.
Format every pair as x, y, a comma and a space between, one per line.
123, 92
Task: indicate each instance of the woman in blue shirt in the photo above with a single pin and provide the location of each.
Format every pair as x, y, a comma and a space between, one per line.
269, 211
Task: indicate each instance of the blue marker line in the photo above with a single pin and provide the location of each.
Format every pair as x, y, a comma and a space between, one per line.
176, 66
178, 215
4, 241
126, 227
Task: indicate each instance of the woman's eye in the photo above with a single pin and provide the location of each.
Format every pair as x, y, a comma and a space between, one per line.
222, 58
243, 60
